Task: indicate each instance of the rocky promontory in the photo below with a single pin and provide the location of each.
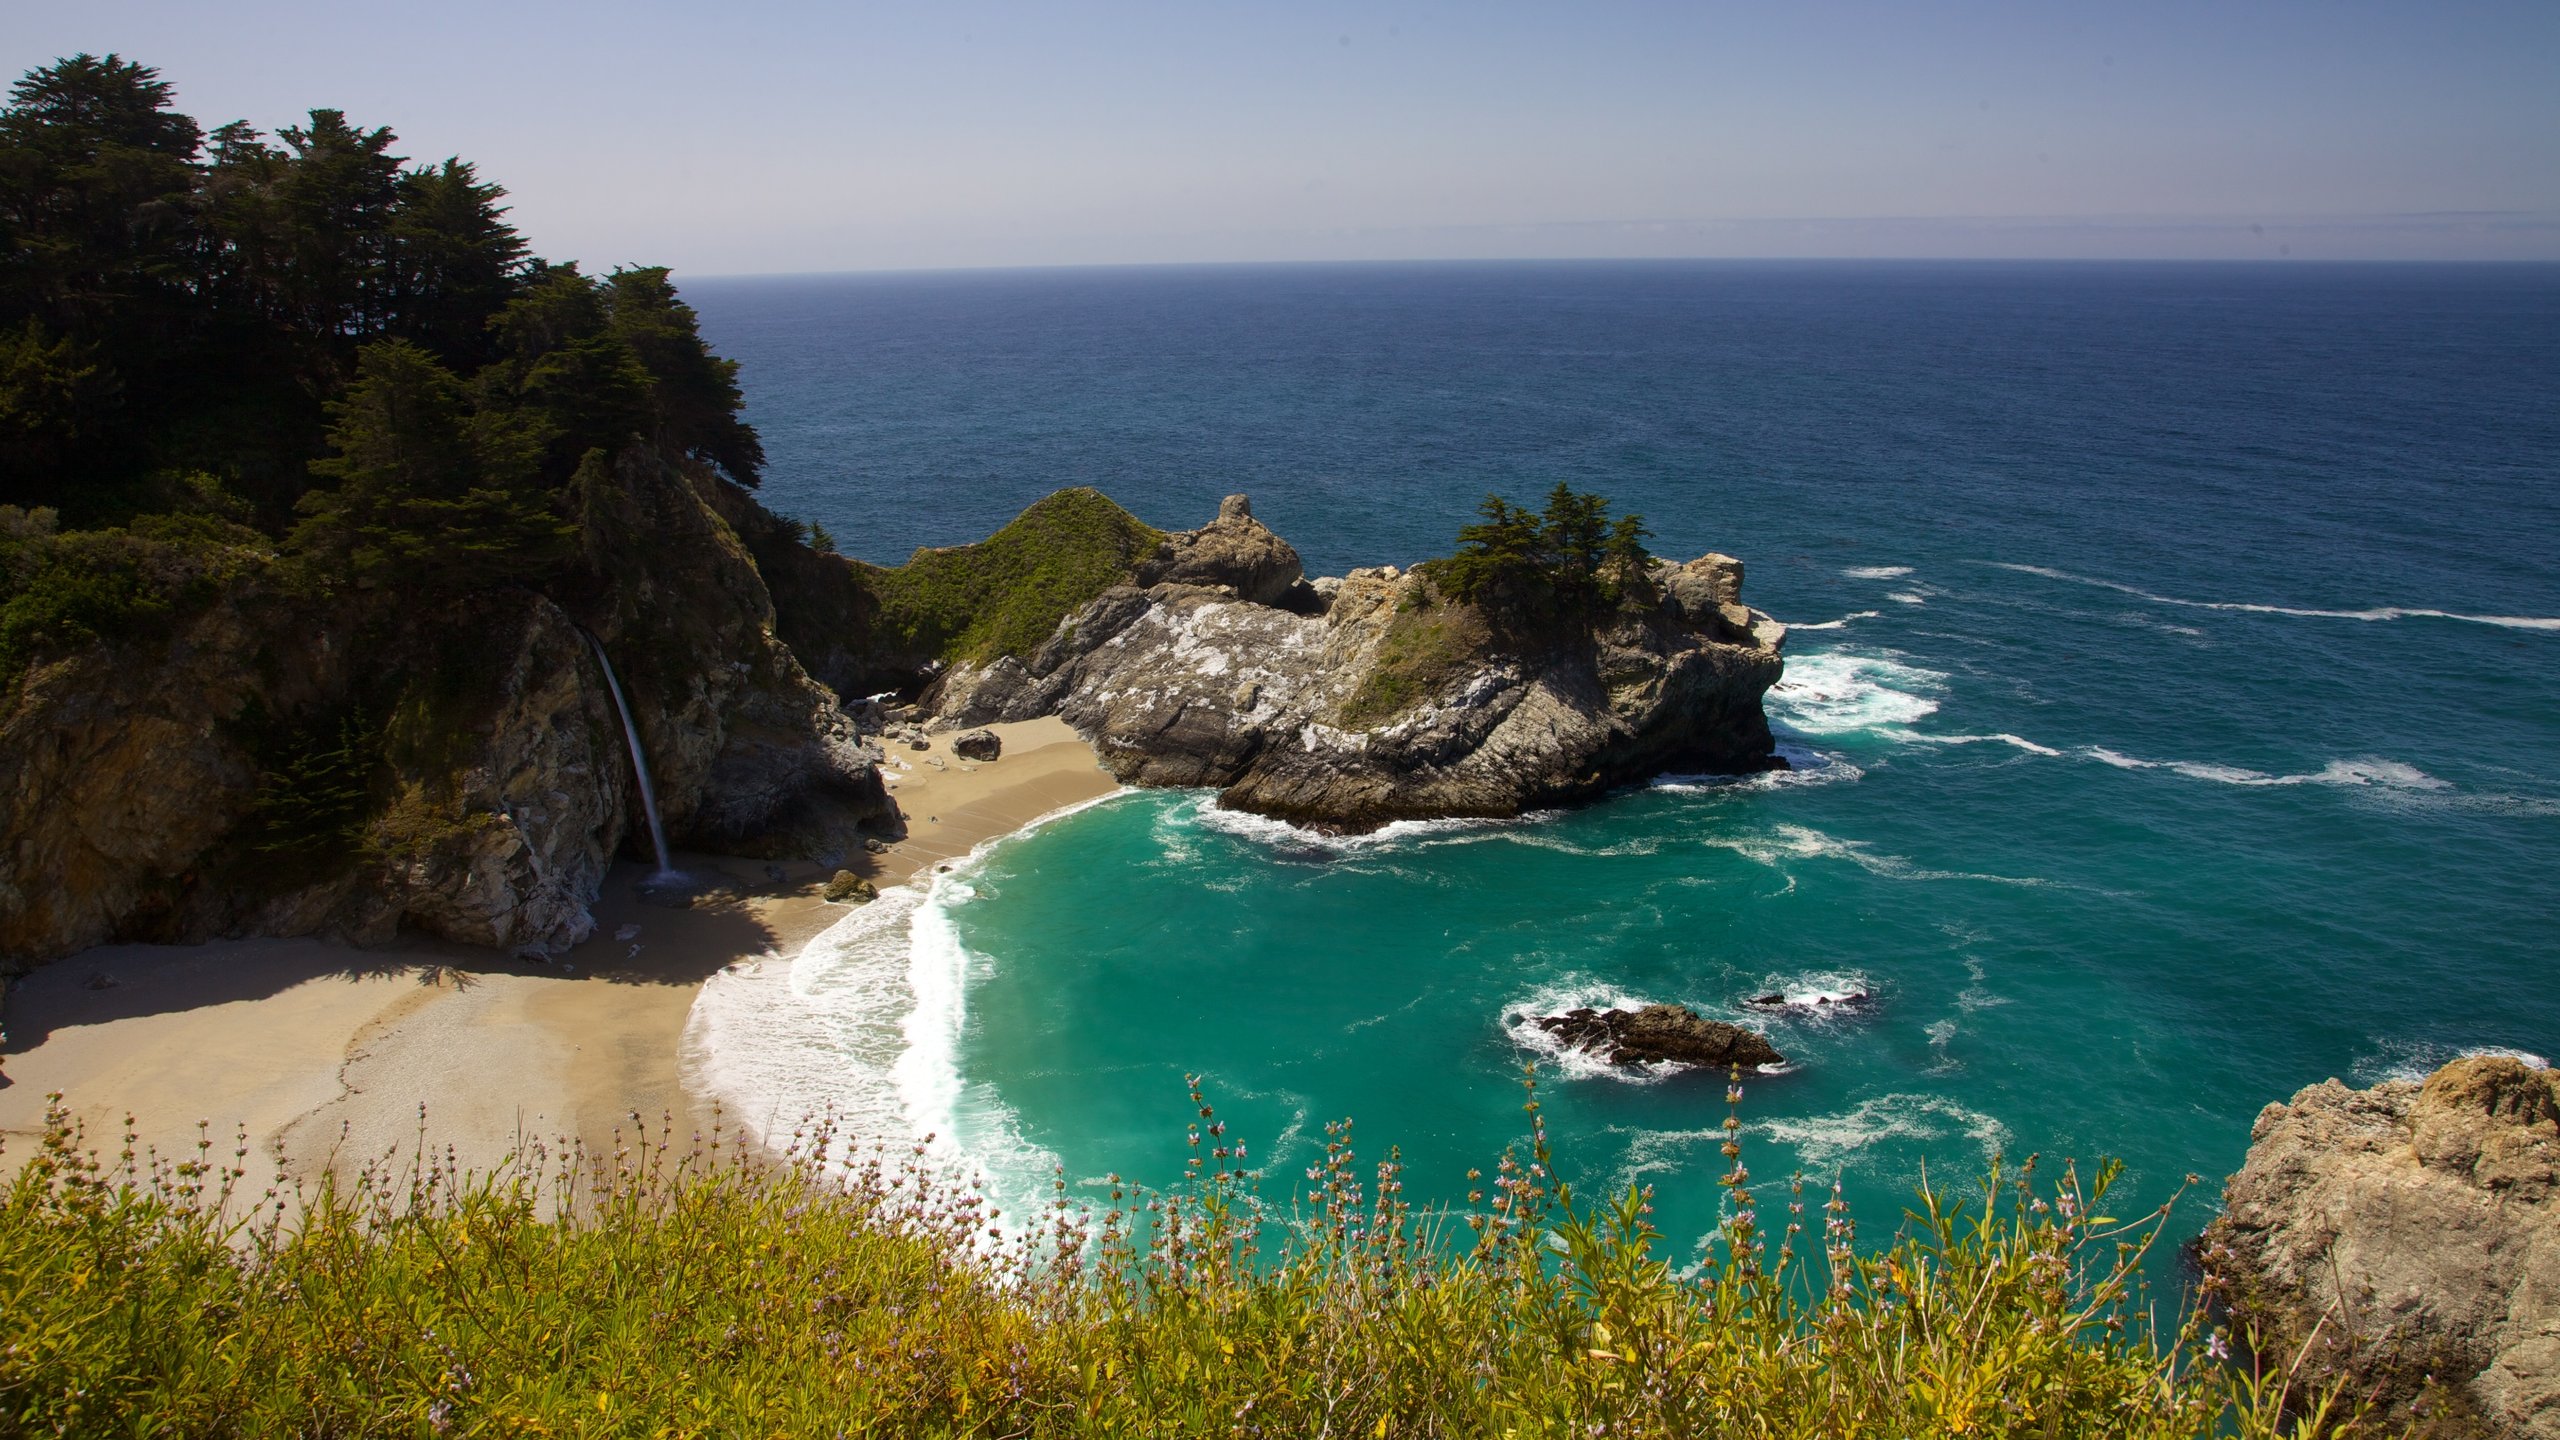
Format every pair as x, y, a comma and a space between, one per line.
2406, 1240
1348, 703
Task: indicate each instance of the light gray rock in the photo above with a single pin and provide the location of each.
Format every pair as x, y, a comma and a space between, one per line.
2410, 1234
1320, 713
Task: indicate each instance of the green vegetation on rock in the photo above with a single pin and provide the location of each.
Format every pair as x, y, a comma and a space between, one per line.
1569, 562
1427, 646
1006, 594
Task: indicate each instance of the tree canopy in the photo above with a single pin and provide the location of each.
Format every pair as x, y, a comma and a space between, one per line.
177, 305
1570, 561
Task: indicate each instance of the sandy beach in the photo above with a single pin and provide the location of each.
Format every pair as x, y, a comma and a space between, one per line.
315, 1052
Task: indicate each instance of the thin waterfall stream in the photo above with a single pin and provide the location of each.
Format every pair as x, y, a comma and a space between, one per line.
639, 767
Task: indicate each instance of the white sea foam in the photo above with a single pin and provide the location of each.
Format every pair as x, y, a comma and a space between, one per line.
1823, 1141
863, 1026
1805, 766
2003, 738
1877, 572
1906, 597
2397, 1059
1819, 996
1281, 835
1780, 844
1575, 992
2371, 613
2364, 772
1840, 624
1837, 691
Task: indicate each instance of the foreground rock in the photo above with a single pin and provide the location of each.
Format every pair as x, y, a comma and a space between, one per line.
2410, 1236
1353, 702
1661, 1033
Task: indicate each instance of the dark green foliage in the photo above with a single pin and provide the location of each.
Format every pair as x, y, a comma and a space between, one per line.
431, 493
1569, 562
315, 791
693, 393
61, 590
1007, 593
169, 306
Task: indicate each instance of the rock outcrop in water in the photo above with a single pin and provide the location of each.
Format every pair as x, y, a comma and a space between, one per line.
1350, 703
2409, 1236
351, 762
1660, 1034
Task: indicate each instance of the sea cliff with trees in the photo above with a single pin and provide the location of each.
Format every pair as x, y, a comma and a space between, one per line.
350, 556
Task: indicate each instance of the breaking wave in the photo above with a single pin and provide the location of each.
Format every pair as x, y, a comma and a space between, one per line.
2366, 772
1822, 1141
1840, 624
1838, 691
862, 1027
1782, 843
2372, 613
1877, 572
2397, 1059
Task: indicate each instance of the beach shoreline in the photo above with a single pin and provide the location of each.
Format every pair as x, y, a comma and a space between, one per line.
307, 1053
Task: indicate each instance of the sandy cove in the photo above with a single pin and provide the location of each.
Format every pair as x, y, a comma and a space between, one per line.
315, 1050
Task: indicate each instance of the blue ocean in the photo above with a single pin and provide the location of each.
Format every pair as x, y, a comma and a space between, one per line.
2174, 696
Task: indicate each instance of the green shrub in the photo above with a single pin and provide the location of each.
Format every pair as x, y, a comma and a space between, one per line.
63, 589
851, 1292
1006, 594
1426, 647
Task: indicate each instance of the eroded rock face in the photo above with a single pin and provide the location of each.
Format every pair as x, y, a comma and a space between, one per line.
1359, 701
1657, 1034
1235, 551
2415, 1229
139, 779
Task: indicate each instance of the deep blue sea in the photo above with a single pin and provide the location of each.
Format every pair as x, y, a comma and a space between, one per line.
2175, 691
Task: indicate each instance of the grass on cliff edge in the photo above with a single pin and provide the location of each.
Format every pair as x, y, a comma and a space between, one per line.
1005, 594
651, 1293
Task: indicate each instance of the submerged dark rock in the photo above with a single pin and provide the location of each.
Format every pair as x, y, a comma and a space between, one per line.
1660, 1033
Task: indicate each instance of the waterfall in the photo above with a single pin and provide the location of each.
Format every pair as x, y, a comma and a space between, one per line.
639, 762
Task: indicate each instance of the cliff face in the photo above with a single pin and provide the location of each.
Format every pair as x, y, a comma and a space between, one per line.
2410, 1235
1352, 703
288, 759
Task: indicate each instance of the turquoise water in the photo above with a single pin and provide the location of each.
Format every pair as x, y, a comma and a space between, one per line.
2176, 696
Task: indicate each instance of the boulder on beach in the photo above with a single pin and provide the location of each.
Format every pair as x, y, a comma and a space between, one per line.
978, 744
1661, 1033
846, 886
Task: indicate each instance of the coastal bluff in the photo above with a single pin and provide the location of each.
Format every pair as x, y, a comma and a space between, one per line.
2409, 1236
1348, 703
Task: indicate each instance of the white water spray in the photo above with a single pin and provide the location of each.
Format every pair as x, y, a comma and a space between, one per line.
639, 764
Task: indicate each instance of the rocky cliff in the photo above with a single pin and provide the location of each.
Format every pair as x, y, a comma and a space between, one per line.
2409, 1237
1350, 703
293, 756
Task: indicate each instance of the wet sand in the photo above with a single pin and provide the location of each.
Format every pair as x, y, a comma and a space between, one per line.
320, 1053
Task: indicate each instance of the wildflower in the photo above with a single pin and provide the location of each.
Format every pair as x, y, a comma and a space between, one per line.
2217, 1347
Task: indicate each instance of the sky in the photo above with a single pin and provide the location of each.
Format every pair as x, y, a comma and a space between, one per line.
753, 136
